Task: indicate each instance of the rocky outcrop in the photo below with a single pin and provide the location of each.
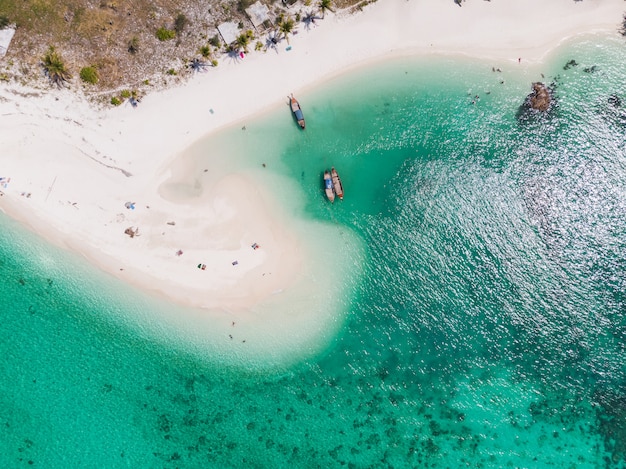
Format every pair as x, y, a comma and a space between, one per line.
540, 99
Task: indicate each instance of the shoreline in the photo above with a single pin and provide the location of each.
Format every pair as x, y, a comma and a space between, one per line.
74, 160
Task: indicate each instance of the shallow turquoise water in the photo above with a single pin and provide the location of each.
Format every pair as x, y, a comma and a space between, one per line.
487, 330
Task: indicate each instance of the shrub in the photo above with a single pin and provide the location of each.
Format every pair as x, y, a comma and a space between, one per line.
243, 4
215, 42
133, 45
164, 34
125, 94
180, 23
115, 101
171, 71
205, 51
214, 62
4, 21
89, 75
258, 45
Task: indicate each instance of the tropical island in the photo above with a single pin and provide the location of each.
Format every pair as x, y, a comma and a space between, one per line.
112, 182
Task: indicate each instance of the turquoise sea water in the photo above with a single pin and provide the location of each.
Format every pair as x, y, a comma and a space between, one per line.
487, 327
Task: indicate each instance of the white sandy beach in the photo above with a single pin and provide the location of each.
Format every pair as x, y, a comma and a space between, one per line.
72, 167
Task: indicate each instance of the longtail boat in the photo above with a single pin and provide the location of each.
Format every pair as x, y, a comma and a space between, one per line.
297, 111
336, 183
328, 186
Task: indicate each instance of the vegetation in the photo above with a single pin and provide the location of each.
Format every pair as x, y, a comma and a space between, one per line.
89, 75
325, 5
205, 51
243, 4
125, 94
133, 45
4, 21
180, 23
164, 34
55, 67
121, 37
215, 42
623, 30
285, 26
115, 101
244, 39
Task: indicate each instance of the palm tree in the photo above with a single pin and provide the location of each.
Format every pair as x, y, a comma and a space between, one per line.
285, 26
242, 42
324, 5
55, 67
244, 39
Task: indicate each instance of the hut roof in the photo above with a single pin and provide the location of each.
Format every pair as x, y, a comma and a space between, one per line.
5, 39
258, 14
229, 31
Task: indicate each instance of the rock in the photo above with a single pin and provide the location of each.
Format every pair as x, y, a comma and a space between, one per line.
540, 98
132, 231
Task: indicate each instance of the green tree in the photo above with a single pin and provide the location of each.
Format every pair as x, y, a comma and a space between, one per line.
324, 5
55, 67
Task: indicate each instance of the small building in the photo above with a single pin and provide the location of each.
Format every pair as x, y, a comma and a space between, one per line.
229, 32
5, 40
259, 15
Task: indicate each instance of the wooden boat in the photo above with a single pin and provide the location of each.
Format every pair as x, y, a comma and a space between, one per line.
336, 183
328, 186
297, 112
